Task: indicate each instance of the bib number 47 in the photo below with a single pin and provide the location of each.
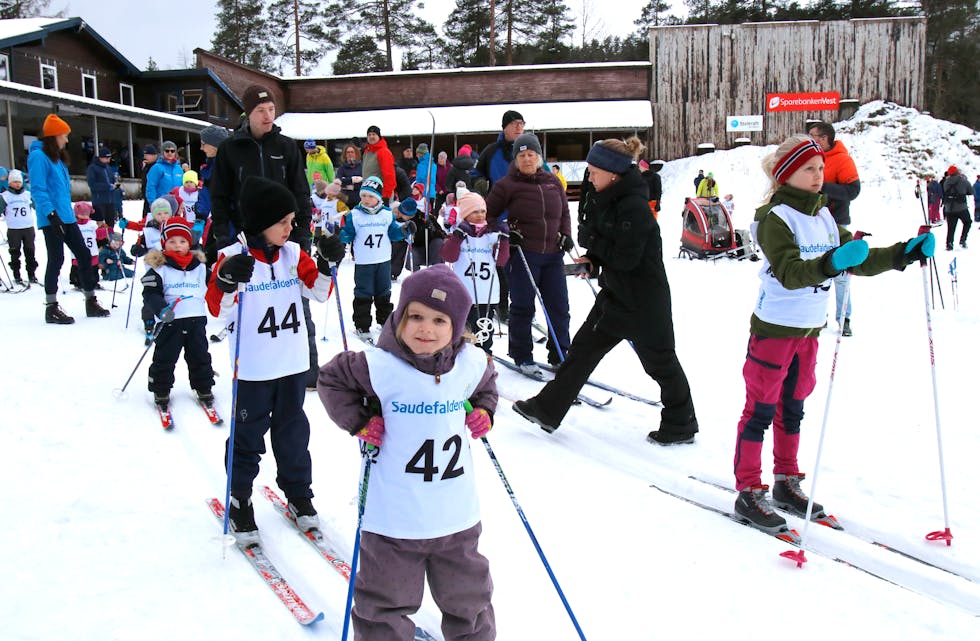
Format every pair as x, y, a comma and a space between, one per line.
423, 462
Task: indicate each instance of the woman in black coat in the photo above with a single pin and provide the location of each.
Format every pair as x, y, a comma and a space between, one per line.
625, 249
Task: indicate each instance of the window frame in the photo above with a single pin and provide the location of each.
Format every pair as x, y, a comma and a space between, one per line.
95, 85
54, 68
132, 94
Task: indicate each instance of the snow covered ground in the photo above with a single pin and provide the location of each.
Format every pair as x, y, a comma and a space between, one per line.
107, 536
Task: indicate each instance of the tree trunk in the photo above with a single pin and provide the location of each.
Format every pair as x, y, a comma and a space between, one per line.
493, 32
296, 22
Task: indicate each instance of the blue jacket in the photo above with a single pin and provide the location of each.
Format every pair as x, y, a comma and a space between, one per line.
934, 192
162, 177
203, 208
50, 187
422, 172
976, 193
101, 178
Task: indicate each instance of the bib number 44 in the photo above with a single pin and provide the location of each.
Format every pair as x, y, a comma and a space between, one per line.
290, 320
423, 462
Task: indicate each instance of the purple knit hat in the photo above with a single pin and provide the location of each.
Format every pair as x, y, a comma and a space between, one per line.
441, 289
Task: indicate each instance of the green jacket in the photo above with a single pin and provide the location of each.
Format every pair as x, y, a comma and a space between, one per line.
319, 162
793, 272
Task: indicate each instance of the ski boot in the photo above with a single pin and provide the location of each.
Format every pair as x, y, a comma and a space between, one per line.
787, 495
55, 315
754, 506
845, 330
162, 399
93, 309
532, 411
206, 397
302, 510
242, 519
660, 437
31, 278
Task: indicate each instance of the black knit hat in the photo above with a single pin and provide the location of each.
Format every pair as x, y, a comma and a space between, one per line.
510, 116
254, 96
264, 203
374, 129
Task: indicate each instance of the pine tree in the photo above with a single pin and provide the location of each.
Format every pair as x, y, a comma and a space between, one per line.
289, 20
360, 54
27, 9
151, 64
241, 35
393, 22
652, 15
467, 32
556, 28
952, 60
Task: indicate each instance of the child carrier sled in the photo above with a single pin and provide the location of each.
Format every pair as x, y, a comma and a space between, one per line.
707, 233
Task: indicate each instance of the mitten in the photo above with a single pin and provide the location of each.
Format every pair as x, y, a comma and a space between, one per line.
235, 269
410, 227
57, 226
850, 254
516, 237
331, 248
565, 243
167, 314
920, 248
373, 431
123, 224
478, 422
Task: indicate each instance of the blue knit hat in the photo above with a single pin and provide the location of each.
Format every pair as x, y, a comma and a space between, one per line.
605, 158
372, 185
408, 207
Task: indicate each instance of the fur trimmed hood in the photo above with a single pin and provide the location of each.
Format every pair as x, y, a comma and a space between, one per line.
156, 258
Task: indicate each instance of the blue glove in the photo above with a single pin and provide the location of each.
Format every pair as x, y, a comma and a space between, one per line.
849, 255
122, 224
920, 248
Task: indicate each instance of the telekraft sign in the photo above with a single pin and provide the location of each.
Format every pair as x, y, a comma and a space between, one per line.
809, 101
743, 123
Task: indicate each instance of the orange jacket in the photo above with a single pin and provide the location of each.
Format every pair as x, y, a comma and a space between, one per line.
840, 182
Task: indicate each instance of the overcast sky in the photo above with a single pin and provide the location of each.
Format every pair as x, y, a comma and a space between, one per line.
166, 30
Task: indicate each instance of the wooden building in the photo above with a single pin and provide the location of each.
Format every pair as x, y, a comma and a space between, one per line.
702, 74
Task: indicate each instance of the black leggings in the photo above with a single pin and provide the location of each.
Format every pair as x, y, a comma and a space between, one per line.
56, 258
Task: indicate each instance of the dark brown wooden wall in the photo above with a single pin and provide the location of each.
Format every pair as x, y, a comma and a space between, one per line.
238, 77
72, 53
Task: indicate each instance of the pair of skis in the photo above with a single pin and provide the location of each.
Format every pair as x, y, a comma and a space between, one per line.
582, 398
255, 554
167, 417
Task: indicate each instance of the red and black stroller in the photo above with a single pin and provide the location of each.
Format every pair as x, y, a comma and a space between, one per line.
707, 232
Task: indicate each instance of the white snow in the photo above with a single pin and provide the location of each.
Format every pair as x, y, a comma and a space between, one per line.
107, 536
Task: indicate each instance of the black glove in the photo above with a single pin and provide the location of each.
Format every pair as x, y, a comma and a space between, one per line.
331, 248
464, 229
565, 243
137, 250
516, 237
57, 226
410, 227
235, 269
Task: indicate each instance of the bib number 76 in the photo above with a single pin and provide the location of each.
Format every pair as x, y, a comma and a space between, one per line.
423, 461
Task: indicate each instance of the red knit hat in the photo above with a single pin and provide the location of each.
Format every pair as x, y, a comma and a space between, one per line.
176, 227
54, 126
465, 150
952, 170
796, 158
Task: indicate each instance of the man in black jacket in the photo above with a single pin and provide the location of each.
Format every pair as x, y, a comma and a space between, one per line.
258, 148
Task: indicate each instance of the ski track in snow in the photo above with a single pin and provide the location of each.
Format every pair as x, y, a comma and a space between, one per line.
107, 535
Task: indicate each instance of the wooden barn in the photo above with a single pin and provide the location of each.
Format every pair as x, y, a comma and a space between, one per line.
704, 74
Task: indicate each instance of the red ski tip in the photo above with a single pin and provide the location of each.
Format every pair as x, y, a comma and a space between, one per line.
794, 555
944, 535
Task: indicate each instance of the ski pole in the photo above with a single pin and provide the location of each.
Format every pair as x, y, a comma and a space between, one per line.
527, 526
132, 288
230, 456
932, 259
953, 285
115, 282
121, 393
340, 309
537, 292
798, 555
943, 535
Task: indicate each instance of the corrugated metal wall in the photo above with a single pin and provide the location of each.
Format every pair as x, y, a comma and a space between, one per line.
703, 73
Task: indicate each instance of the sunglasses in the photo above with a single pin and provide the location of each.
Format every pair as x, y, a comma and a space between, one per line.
169, 151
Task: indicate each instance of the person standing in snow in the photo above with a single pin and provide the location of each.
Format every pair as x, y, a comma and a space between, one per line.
19, 214
273, 357
956, 188
654, 186
841, 185
349, 176
317, 161
934, 200
625, 249
165, 174
47, 165
803, 247
103, 182
150, 156
419, 524
976, 200
376, 160
708, 188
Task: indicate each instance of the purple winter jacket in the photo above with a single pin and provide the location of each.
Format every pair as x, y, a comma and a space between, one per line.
345, 381
536, 205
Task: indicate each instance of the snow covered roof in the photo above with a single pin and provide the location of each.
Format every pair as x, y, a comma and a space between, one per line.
551, 116
18, 31
26, 27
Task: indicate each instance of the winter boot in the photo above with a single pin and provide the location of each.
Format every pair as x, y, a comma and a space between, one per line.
93, 309
660, 437
31, 278
754, 506
949, 247
531, 370
304, 513
787, 495
54, 314
15, 268
846, 329
532, 411
162, 399
963, 244
205, 396
242, 519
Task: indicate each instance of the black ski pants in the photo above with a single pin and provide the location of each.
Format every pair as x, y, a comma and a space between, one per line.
190, 336
56, 258
589, 347
951, 220
274, 406
18, 239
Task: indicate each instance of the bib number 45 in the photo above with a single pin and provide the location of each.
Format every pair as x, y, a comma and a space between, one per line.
423, 462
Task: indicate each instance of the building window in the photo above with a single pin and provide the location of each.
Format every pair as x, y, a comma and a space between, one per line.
4, 67
171, 99
89, 86
126, 94
190, 100
49, 77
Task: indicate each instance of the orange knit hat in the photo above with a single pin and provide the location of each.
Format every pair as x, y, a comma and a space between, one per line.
54, 126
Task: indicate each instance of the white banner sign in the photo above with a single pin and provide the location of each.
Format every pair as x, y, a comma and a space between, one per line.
743, 123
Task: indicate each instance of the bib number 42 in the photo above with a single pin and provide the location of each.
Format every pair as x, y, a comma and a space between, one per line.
423, 462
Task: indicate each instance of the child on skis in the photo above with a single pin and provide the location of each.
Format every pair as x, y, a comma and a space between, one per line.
370, 228
89, 228
19, 213
113, 259
177, 272
475, 249
804, 249
160, 210
274, 355
421, 513
328, 208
